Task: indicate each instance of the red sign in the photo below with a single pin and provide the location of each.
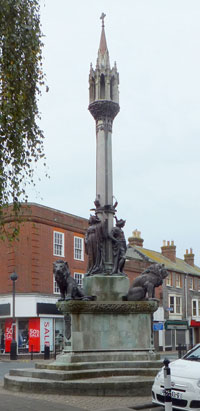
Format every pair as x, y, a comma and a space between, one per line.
8, 334
34, 335
195, 323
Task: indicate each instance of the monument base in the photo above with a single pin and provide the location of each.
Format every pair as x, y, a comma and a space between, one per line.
106, 287
108, 326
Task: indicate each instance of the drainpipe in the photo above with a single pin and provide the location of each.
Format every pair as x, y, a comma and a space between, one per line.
186, 300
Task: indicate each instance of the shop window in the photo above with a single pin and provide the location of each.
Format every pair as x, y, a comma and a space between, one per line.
180, 337
59, 334
78, 248
23, 341
2, 336
175, 304
178, 281
168, 338
79, 279
56, 289
169, 280
58, 244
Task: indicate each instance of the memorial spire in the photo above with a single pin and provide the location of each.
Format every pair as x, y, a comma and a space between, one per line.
104, 106
103, 54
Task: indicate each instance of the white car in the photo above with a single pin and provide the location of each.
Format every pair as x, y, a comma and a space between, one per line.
185, 382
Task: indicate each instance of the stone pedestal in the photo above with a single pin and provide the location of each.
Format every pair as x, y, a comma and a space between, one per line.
106, 287
108, 327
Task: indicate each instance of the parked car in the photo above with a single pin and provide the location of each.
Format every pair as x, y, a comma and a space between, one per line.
185, 382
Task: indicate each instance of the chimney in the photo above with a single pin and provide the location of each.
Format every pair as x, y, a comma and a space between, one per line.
135, 239
189, 257
169, 250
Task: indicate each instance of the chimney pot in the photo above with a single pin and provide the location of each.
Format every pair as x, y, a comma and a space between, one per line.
189, 257
169, 250
136, 239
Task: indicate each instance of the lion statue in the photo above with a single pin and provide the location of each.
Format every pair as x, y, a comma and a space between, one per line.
69, 289
144, 285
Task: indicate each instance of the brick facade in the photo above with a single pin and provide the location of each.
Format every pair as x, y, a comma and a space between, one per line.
31, 255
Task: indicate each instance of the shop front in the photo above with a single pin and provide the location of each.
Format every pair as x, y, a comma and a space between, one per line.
195, 332
176, 333
33, 332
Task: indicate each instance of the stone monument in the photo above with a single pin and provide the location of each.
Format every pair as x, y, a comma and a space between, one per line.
108, 333
108, 326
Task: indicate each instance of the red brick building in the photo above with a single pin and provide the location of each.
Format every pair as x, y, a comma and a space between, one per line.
45, 236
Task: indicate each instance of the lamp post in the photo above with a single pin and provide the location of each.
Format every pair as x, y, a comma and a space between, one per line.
13, 346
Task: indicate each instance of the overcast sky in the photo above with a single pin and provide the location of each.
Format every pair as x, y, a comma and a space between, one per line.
156, 135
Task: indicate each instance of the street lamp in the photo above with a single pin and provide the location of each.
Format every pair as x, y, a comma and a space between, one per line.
13, 346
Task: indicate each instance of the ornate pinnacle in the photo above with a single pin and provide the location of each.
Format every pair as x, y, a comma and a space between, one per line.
103, 15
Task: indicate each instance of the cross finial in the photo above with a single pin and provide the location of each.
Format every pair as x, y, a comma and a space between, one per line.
103, 15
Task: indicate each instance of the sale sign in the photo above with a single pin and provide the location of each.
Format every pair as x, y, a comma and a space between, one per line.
8, 334
46, 333
34, 335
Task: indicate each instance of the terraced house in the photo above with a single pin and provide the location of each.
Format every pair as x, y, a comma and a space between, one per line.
178, 319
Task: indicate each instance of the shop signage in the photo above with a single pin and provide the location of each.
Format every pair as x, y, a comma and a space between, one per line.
195, 323
176, 325
46, 333
157, 326
34, 334
8, 334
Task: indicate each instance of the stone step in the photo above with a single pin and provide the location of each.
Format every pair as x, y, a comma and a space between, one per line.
121, 386
58, 375
103, 364
99, 356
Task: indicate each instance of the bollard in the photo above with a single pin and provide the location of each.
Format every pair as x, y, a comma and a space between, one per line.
46, 352
31, 352
167, 385
179, 351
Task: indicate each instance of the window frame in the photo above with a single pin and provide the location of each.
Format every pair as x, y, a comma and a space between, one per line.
175, 305
80, 284
178, 280
191, 279
168, 280
197, 308
56, 289
55, 253
78, 249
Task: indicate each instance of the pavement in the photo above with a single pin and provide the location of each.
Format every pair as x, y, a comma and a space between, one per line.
10, 401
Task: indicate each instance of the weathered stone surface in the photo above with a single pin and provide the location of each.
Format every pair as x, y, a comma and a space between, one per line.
106, 288
115, 326
108, 307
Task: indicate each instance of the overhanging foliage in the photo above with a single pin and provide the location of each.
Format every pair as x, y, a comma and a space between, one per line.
21, 75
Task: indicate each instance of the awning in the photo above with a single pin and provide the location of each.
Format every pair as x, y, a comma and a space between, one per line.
195, 323
176, 325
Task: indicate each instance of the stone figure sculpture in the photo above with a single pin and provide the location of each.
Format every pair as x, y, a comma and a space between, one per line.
118, 247
143, 286
69, 290
94, 245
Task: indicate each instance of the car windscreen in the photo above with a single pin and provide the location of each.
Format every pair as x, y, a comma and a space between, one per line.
193, 355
